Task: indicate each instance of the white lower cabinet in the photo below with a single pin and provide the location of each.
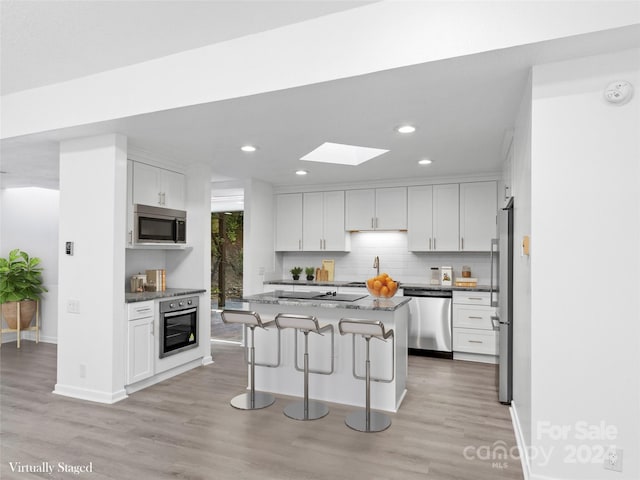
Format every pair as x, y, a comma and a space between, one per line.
474, 337
140, 341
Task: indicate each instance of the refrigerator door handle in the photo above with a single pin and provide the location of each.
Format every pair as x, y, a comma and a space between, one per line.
494, 243
495, 321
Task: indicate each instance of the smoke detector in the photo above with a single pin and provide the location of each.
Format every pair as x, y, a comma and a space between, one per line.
619, 92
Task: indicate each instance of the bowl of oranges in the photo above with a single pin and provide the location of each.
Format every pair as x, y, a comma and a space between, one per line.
382, 286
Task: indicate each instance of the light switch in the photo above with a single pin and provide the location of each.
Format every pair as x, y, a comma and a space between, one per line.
525, 245
68, 248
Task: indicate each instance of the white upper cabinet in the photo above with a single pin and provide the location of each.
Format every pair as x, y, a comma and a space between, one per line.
478, 210
323, 222
420, 218
289, 222
158, 187
445, 218
376, 209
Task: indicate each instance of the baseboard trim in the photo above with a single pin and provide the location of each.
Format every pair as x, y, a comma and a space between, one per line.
90, 395
27, 335
208, 360
522, 447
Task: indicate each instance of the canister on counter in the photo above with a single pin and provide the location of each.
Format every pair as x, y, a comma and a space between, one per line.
435, 275
138, 283
446, 276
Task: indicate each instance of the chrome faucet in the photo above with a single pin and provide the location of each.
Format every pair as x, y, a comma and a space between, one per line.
376, 265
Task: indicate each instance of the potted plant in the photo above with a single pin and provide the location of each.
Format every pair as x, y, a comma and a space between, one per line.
20, 281
296, 271
309, 271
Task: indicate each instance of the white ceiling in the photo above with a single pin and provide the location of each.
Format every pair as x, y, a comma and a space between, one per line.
462, 108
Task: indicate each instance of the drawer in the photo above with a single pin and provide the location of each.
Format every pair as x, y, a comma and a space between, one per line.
472, 298
475, 341
473, 316
140, 310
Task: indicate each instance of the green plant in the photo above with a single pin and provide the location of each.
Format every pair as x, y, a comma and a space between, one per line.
309, 271
296, 270
20, 277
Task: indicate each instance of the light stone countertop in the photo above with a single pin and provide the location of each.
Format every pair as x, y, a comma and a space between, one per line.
366, 303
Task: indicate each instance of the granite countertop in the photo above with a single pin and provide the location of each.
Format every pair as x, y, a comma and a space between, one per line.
169, 292
366, 303
425, 286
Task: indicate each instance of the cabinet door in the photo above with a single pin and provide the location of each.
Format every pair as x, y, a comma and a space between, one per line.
445, 218
478, 209
146, 189
360, 209
420, 218
391, 208
334, 234
312, 221
172, 189
140, 357
289, 222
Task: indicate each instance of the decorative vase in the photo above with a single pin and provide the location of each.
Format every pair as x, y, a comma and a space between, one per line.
27, 312
310, 277
296, 277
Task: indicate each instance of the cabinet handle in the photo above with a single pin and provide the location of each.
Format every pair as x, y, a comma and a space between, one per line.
434, 243
324, 244
474, 298
320, 244
372, 226
164, 198
130, 237
461, 243
300, 244
159, 198
476, 341
477, 318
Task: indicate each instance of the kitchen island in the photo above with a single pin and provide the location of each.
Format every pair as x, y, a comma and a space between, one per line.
388, 359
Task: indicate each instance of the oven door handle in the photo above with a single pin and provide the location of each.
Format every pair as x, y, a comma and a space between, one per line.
180, 312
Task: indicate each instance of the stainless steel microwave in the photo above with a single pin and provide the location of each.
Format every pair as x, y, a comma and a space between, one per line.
159, 225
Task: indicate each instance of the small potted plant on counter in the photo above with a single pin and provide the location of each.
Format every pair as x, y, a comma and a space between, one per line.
309, 271
20, 281
296, 271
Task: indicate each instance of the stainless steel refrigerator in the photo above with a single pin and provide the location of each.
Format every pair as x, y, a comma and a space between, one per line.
503, 300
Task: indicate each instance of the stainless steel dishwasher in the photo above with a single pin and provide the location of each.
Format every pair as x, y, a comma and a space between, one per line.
430, 322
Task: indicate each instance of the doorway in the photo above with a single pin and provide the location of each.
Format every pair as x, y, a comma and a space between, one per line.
226, 272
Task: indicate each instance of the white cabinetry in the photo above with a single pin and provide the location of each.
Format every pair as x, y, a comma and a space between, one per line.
433, 218
474, 337
158, 187
376, 209
140, 341
323, 222
289, 222
478, 209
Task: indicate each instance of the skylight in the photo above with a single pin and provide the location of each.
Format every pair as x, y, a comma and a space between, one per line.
342, 154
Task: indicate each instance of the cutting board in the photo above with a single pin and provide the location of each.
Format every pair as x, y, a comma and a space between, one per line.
329, 266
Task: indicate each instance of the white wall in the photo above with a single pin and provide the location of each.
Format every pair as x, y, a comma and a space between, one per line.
258, 255
29, 221
585, 234
91, 342
520, 182
395, 259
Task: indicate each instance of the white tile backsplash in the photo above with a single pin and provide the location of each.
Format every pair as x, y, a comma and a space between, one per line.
391, 247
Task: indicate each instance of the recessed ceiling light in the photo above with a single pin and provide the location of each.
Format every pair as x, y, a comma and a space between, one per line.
342, 154
425, 161
406, 129
301, 172
248, 148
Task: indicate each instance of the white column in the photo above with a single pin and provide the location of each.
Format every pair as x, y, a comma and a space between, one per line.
91, 326
258, 248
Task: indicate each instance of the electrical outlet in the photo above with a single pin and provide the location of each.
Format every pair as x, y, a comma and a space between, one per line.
613, 459
73, 306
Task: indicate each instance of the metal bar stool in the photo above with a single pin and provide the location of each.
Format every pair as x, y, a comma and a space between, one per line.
251, 400
307, 409
364, 420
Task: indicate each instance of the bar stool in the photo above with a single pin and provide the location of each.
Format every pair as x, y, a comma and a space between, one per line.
251, 400
307, 409
364, 420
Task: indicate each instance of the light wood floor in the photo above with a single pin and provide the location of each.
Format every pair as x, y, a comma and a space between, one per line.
184, 428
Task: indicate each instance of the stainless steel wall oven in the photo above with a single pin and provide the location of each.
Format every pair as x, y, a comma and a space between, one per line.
178, 325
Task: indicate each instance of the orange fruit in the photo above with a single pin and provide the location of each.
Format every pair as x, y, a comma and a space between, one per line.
370, 283
377, 284
384, 291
